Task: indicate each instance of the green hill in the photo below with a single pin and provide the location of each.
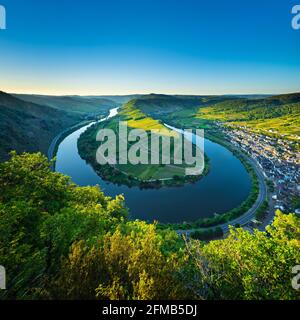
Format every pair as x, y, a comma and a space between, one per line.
177, 110
26, 126
165, 104
30, 122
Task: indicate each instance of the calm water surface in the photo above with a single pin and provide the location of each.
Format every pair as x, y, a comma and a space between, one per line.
225, 187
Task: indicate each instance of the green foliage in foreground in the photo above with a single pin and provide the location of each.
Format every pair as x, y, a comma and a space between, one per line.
252, 266
61, 241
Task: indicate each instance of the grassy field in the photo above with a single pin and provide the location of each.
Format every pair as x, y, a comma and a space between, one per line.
152, 172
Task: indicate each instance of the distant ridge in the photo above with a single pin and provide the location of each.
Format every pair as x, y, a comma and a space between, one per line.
31, 124
77, 104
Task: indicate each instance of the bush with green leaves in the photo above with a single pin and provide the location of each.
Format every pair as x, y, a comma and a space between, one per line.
62, 241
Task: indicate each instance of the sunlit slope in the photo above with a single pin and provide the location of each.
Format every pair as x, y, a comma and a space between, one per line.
136, 119
177, 110
274, 115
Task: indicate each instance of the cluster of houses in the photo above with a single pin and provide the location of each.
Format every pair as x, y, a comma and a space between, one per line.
278, 160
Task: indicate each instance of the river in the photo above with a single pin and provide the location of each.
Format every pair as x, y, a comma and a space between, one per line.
226, 185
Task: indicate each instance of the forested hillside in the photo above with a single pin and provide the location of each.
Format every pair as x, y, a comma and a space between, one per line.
61, 241
140, 174
29, 126
26, 126
77, 104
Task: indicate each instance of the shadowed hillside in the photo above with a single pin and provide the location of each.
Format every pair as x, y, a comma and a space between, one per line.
163, 104
29, 126
71, 242
25, 126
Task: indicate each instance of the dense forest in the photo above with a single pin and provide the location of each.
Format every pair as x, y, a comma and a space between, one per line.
62, 241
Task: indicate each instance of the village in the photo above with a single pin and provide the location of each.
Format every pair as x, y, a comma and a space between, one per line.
279, 163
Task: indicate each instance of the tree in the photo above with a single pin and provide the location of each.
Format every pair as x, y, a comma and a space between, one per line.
41, 215
134, 262
251, 266
58, 240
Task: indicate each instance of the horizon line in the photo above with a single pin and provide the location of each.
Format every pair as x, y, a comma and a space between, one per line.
148, 93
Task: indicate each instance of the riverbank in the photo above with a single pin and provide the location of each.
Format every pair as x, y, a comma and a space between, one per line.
59, 138
52, 150
248, 208
238, 217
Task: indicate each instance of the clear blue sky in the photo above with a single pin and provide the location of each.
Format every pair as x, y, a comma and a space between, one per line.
130, 46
